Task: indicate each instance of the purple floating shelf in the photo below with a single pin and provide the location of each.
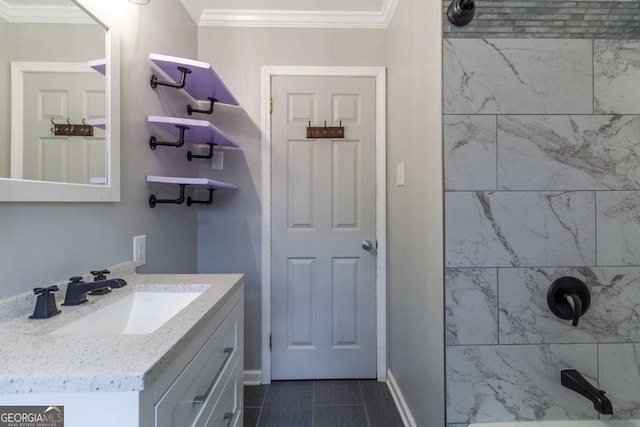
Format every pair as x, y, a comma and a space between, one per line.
199, 132
197, 182
98, 180
99, 123
100, 65
201, 83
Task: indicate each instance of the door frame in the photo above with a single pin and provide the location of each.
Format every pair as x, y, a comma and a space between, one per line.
18, 71
379, 73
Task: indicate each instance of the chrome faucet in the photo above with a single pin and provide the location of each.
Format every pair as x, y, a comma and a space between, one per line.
573, 380
77, 290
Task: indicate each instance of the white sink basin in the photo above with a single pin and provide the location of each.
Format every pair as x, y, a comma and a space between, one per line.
140, 312
592, 423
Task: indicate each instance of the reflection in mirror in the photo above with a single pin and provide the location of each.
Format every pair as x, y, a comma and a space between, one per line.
50, 68
39, 39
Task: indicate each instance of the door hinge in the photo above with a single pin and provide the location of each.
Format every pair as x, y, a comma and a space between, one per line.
270, 105
270, 340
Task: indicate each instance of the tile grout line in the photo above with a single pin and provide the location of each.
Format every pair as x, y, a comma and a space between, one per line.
497, 157
337, 404
264, 399
593, 76
364, 404
313, 404
498, 305
598, 363
595, 228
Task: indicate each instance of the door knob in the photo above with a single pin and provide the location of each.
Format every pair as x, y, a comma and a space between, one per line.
367, 245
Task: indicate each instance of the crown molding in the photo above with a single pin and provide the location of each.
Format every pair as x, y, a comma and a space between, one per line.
293, 18
44, 14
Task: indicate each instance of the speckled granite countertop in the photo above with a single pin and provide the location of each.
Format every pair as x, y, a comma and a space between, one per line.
32, 361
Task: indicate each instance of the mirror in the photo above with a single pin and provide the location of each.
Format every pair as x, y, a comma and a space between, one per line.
59, 128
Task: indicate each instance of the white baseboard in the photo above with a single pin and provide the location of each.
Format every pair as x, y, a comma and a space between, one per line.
252, 377
401, 403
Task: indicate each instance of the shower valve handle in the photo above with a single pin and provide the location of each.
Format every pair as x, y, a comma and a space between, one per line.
568, 298
576, 306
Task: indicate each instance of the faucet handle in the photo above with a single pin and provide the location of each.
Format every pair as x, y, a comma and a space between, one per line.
75, 279
45, 291
100, 274
45, 303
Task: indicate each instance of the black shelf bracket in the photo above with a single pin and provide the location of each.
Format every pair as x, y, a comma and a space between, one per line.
153, 142
153, 200
191, 156
191, 110
209, 201
183, 79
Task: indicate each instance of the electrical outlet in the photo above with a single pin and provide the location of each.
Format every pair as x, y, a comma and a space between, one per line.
217, 161
400, 174
140, 250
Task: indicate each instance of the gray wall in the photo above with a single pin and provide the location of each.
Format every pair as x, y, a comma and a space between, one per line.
541, 182
44, 243
415, 225
57, 42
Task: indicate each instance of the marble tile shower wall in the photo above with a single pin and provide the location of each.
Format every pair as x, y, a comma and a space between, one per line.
542, 176
551, 19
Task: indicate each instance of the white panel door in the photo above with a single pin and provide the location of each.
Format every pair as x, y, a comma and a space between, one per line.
76, 96
323, 208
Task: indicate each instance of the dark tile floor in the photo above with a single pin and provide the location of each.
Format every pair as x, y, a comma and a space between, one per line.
320, 403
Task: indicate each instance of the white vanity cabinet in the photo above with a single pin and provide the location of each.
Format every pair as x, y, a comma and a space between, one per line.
208, 391
195, 382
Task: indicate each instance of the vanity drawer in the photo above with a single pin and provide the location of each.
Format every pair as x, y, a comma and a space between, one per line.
228, 409
198, 387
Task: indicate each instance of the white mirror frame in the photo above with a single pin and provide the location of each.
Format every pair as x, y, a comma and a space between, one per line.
12, 190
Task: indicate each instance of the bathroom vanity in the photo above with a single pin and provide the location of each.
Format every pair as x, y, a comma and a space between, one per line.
186, 370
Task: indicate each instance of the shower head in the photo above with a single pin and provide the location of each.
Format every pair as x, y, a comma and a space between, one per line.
461, 12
